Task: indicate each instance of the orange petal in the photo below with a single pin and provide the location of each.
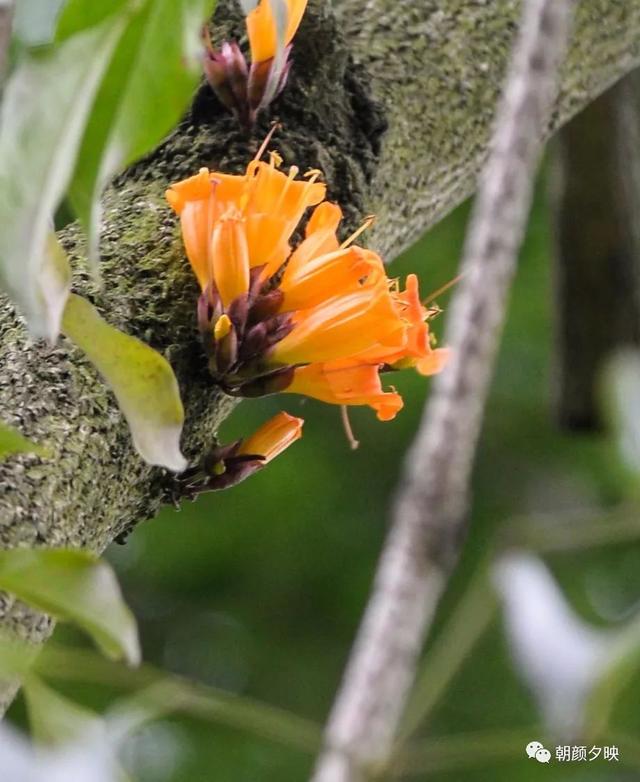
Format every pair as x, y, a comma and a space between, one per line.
261, 28
196, 235
309, 284
195, 188
230, 259
273, 437
435, 362
416, 345
341, 327
228, 189
268, 243
339, 383
320, 235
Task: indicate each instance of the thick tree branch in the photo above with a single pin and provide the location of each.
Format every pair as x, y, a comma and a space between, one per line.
428, 520
428, 72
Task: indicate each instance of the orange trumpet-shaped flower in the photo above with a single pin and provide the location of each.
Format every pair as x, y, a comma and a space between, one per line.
272, 438
342, 383
262, 28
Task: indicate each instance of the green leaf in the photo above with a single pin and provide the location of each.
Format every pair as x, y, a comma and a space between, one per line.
141, 379
147, 88
76, 587
55, 719
11, 441
46, 104
79, 15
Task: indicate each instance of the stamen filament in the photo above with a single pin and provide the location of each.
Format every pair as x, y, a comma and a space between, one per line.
442, 289
346, 423
367, 223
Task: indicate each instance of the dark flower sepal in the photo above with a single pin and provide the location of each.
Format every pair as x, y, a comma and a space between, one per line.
221, 468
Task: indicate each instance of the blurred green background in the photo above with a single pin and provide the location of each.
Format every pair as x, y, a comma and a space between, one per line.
259, 589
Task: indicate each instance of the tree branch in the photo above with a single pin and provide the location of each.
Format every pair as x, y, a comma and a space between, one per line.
428, 518
427, 72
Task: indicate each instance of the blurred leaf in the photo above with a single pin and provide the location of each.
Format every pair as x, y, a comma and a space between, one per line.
55, 719
147, 88
11, 441
34, 21
141, 379
45, 108
74, 586
622, 404
79, 15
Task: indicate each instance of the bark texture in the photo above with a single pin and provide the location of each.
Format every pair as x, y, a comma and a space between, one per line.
393, 102
596, 198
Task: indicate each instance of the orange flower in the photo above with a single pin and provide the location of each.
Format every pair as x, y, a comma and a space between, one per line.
262, 28
272, 438
343, 383
323, 320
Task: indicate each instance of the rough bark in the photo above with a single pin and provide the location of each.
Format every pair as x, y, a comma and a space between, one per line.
596, 196
393, 102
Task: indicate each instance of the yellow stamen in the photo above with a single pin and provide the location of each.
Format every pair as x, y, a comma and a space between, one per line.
367, 223
275, 159
267, 140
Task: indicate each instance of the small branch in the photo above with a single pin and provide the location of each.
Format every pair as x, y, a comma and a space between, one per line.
428, 520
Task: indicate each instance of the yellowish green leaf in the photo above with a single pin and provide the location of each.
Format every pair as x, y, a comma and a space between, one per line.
141, 379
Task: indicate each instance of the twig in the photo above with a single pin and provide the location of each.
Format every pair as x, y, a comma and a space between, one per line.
428, 520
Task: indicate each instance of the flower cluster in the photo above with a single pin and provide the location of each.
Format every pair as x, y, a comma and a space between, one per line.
245, 90
322, 320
